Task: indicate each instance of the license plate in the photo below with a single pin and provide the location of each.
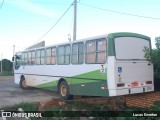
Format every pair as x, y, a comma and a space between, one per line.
149, 88
134, 84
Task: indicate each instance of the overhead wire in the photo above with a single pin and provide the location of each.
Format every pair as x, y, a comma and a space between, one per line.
2, 4
49, 3
55, 23
124, 13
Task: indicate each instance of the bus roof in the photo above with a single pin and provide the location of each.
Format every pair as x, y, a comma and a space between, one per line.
110, 35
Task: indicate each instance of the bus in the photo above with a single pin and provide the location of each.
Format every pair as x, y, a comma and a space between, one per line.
106, 65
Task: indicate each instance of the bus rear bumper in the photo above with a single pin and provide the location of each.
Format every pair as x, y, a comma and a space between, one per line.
126, 91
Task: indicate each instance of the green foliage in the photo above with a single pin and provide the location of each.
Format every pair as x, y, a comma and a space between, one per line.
77, 106
153, 55
7, 73
7, 65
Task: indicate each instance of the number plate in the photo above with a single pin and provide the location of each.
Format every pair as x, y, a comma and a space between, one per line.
134, 84
149, 88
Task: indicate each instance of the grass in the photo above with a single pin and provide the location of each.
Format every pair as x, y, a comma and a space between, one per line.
25, 106
7, 74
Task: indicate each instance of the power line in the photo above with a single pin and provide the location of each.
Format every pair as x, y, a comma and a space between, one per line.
55, 23
135, 15
50, 3
2, 4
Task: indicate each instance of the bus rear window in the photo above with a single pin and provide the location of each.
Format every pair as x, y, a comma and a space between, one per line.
130, 48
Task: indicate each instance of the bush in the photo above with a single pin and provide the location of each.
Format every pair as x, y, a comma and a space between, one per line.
153, 55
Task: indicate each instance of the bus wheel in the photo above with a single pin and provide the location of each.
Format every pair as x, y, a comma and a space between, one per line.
23, 84
64, 91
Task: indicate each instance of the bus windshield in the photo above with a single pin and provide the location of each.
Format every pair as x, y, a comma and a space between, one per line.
130, 48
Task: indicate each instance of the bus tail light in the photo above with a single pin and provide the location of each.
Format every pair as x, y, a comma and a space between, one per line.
148, 82
120, 85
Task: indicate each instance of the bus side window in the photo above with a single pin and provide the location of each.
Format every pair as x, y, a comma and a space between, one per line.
24, 58
31, 57
101, 51
96, 51
51, 55
90, 52
64, 54
77, 53
40, 54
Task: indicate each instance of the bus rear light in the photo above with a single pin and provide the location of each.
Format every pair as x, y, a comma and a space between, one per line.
120, 85
148, 82
129, 85
142, 84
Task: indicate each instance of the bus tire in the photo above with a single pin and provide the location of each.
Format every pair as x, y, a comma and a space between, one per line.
23, 84
64, 91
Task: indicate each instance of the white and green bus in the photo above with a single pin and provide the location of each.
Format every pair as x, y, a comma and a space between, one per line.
106, 65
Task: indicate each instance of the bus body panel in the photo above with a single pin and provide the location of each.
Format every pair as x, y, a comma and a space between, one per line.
132, 71
111, 75
82, 79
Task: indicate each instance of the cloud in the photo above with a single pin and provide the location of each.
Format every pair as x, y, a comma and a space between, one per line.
30, 7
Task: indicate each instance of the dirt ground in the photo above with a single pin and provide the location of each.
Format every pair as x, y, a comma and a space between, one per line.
11, 93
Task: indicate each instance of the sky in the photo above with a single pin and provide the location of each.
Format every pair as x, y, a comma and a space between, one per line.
24, 22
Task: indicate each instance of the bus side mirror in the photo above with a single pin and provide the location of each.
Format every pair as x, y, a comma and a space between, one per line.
12, 58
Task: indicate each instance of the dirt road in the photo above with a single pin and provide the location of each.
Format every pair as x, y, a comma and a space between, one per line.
11, 94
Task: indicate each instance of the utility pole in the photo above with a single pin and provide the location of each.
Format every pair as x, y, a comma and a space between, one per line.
1, 64
13, 56
75, 20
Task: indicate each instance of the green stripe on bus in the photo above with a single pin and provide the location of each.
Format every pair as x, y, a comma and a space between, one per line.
93, 75
82, 78
49, 84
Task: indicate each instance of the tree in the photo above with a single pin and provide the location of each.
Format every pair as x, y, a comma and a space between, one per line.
153, 55
7, 65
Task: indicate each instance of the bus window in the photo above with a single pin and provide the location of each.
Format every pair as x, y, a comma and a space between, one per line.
40, 57
128, 48
17, 61
90, 52
77, 53
96, 51
101, 51
64, 54
51, 55
24, 58
31, 57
